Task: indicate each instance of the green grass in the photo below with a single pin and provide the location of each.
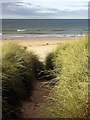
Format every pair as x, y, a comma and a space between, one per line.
70, 95
49, 61
19, 70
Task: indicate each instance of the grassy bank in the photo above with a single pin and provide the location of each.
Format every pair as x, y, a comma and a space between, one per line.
68, 65
70, 95
19, 70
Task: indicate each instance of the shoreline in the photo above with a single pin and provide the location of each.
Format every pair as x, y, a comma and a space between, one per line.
40, 37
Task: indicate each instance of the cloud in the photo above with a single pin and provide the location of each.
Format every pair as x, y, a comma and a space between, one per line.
81, 5
22, 9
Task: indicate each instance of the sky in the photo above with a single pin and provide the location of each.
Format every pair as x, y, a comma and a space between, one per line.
44, 9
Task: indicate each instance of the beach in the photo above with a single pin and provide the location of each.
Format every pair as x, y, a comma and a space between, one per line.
41, 47
42, 36
44, 59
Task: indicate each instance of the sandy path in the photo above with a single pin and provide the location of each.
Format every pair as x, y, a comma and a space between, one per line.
35, 106
42, 51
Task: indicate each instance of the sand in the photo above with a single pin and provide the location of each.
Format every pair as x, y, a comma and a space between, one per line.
40, 47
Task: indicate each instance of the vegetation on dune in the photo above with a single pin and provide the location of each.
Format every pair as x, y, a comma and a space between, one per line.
67, 66
49, 61
19, 70
49, 66
70, 95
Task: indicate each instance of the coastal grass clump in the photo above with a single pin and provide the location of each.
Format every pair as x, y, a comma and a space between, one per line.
50, 66
70, 95
49, 61
19, 70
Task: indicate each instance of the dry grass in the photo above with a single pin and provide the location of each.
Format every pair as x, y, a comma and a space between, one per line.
70, 95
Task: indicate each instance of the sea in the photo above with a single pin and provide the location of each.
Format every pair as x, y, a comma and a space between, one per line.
43, 28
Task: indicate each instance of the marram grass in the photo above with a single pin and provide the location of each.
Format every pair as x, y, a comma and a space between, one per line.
19, 70
70, 95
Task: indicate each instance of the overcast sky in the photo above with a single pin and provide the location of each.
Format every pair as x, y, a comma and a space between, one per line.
45, 9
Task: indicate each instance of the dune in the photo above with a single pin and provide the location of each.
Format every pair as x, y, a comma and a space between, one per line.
39, 47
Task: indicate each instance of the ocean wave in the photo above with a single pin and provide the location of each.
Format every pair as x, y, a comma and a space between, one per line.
49, 36
75, 35
60, 36
21, 30
46, 36
0, 34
